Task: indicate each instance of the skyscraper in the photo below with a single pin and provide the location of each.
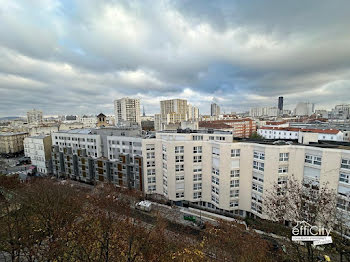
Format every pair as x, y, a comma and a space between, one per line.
280, 103
127, 109
214, 109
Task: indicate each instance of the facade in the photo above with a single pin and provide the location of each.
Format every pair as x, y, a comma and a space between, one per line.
38, 148
127, 110
242, 128
192, 112
34, 116
304, 109
88, 121
12, 143
99, 155
263, 112
214, 109
293, 133
172, 113
341, 111
212, 171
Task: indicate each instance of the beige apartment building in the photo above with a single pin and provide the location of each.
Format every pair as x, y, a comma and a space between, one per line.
12, 143
127, 110
212, 170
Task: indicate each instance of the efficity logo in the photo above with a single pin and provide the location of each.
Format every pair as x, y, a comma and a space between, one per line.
319, 235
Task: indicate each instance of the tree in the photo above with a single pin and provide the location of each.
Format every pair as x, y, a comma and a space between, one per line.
256, 136
297, 201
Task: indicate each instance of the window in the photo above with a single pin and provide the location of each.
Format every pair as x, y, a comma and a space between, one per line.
179, 168
282, 180
258, 177
345, 178
215, 171
222, 138
197, 159
234, 193
215, 199
234, 203
197, 186
211, 138
152, 188
180, 195
151, 180
179, 159
197, 149
197, 195
179, 150
164, 157
258, 165
315, 160
234, 183
283, 170
257, 187
235, 152
234, 173
345, 163
284, 156
257, 198
164, 148
197, 177
215, 190
151, 163
259, 155
256, 208
165, 166
149, 147
150, 155
197, 169
151, 172
216, 151
215, 180
197, 138
180, 177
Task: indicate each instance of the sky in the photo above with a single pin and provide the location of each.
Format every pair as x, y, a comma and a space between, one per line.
77, 56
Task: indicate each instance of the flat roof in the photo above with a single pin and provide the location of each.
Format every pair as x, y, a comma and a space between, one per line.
77, 131
297, 129
12, 133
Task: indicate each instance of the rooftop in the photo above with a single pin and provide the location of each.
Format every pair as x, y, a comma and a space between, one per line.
77, 131
310, 130
12, 133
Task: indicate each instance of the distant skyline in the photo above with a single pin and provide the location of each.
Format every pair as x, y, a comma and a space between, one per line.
77, 57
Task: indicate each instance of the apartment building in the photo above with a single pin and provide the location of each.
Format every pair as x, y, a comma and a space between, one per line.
243, 128
127, 110
263, 111
34, 116
38, 148
99, 155
215, 172
214, 109
294, 133
12, 142
304, 109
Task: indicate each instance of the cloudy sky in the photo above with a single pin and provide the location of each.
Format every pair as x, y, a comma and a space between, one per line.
77, 56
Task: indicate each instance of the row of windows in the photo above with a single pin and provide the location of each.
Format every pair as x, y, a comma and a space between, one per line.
315, 160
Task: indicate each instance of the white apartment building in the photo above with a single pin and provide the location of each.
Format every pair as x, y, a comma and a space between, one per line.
263, 111
293, 133
304, 109
79, 139
215, 172
38, 148
34, 116
192, 112
88, 121
127, 110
